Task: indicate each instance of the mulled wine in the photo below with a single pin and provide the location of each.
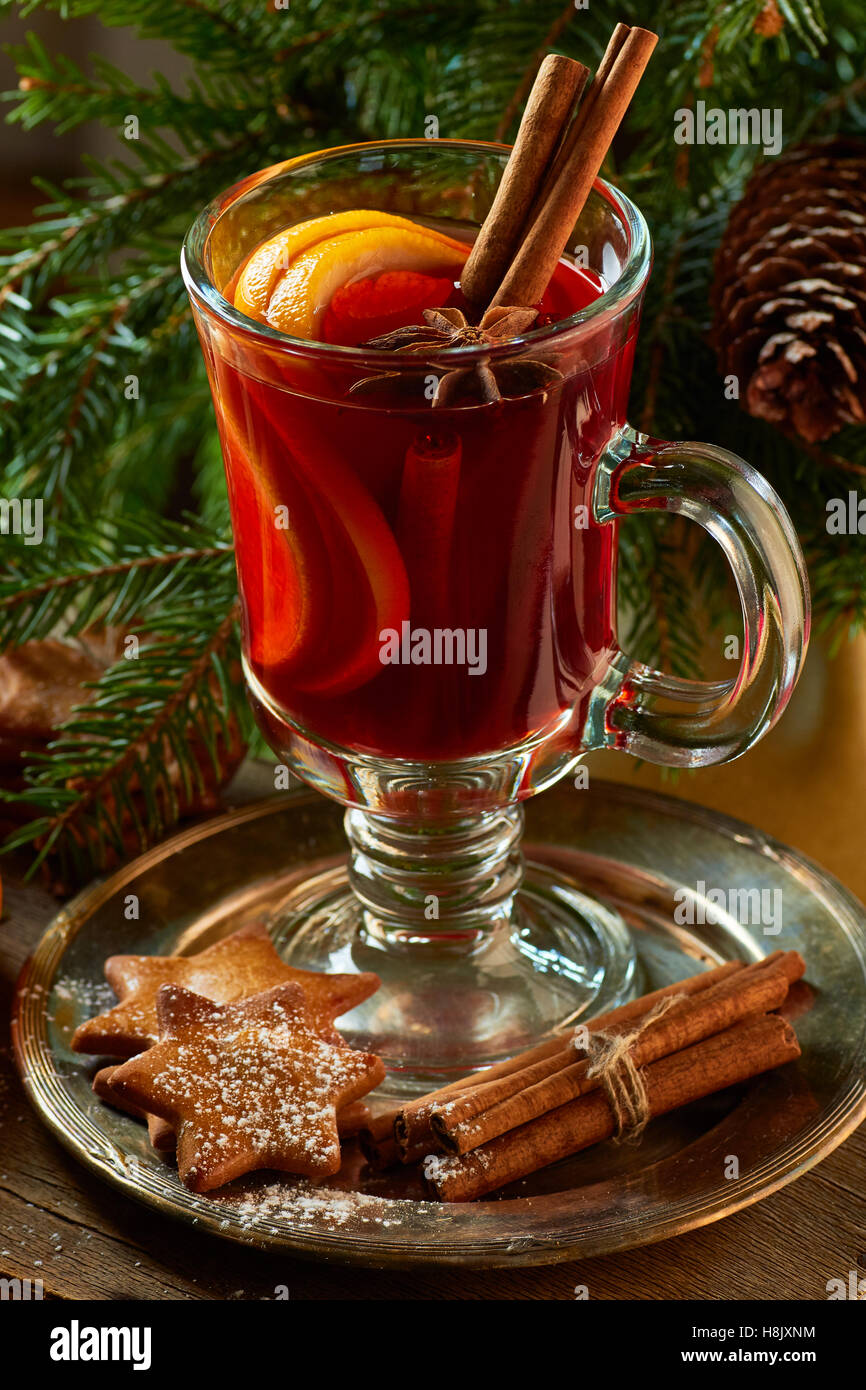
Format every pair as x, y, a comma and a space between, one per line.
419, 583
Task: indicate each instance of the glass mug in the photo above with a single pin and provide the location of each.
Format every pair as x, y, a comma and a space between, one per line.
429, 608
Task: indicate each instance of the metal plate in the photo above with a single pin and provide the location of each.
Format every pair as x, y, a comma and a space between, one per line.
633, 847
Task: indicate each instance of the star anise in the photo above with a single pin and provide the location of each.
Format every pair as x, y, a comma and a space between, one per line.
484, 381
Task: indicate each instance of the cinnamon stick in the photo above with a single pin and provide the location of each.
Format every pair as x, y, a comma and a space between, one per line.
690, 1021
411, 1123
425, 522
532, 268
377, 1141
574, 134
748, 1048
557, 87
801, 997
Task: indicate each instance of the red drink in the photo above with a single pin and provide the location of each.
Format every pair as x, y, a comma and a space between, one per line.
416, 583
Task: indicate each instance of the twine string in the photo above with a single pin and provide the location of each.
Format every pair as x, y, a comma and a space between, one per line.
611, 1060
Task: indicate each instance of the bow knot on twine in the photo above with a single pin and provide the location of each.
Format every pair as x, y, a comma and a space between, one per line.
611, 1060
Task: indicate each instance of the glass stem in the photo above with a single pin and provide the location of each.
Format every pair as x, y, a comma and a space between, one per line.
448, 886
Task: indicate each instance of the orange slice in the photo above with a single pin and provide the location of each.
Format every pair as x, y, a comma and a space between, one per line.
264, 266
289, 280
284, 574
284, 578
316, 596
369, 587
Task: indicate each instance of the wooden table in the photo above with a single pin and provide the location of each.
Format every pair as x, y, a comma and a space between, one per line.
59, 1223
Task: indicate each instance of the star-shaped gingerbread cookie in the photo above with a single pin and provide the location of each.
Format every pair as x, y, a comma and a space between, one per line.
350, 1120
247, 1085
242, 964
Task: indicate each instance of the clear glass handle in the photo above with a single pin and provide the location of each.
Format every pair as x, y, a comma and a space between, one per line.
691, 723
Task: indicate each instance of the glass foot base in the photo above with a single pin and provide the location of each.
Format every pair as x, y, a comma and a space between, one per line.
445, 1010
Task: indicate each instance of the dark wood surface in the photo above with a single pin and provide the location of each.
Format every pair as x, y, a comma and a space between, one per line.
58, 1222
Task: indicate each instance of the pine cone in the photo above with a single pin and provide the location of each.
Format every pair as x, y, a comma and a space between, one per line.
789, 298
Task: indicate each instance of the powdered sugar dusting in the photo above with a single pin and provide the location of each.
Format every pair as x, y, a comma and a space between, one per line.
301, 1201
88, 994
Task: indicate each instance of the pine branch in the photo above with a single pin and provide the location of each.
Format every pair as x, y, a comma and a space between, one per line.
51, 87
663, 632
108, 574
221, 29
155, 741
122, 203
72, 396
827, 459
167, 721
379, 17
658, 337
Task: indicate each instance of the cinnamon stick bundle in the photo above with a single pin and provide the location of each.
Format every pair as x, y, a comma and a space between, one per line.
377, 1142
416, 1128
466, 1123
410, 1124
750, 1047
560, 148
